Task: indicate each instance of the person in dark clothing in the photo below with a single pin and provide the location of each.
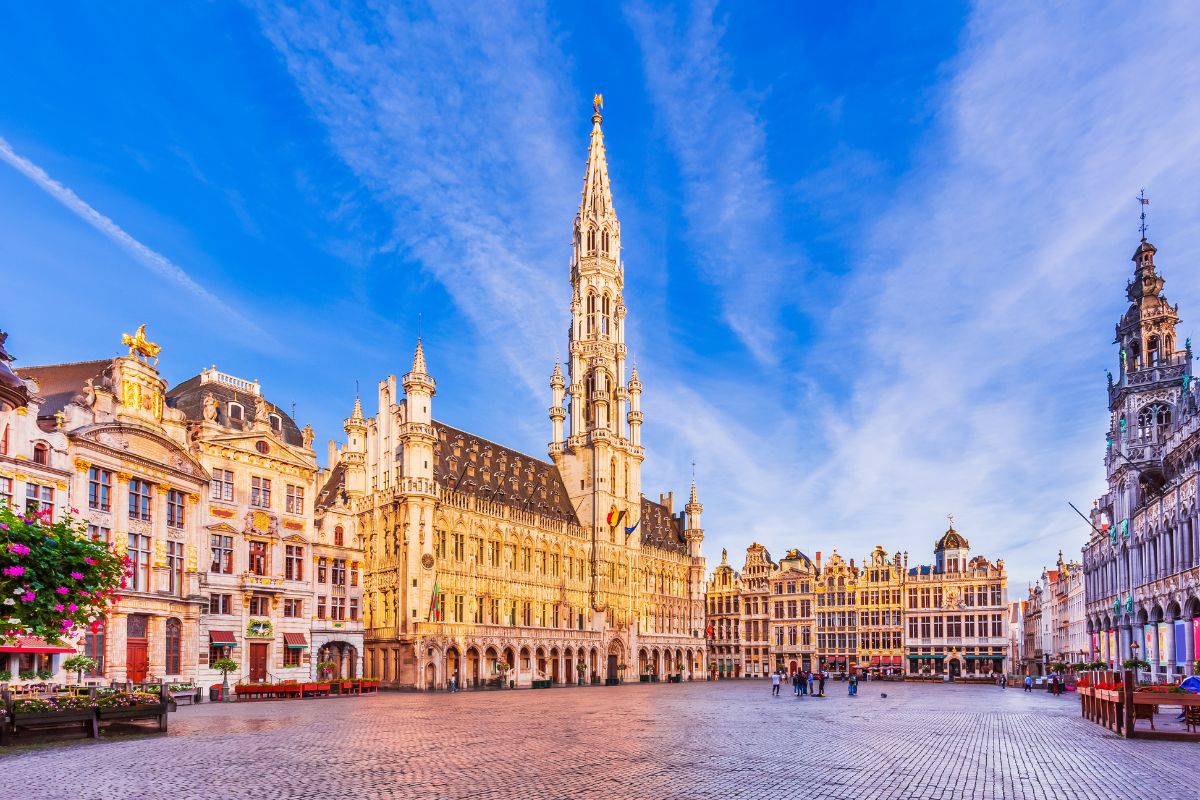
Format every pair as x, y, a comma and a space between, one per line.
821, 684
796, 683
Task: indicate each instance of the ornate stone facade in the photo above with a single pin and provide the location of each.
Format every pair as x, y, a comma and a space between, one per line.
259, 561
136, 484
1142, 560
956, 613
881, 614
479, 557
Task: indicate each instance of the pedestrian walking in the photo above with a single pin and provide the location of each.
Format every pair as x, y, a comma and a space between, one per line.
1029, 683
775, 683
803, 682
824, 675
853, 685
796, 683
811, 688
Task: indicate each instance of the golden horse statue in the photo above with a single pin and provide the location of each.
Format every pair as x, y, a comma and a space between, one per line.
138, 344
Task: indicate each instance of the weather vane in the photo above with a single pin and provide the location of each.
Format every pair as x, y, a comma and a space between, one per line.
597, 103
951, 518
1143, 201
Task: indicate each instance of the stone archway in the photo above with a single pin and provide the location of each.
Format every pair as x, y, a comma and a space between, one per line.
430, 675
471, 679
344, 657
616, 658
453, 666
555, 665
954, 666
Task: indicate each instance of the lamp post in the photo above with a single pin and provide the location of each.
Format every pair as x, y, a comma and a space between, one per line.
1133, 648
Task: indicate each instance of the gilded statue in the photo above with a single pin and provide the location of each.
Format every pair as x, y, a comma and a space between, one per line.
307, 435
597, 103
138, 344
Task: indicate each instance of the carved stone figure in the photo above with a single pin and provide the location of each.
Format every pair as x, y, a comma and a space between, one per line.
210, 407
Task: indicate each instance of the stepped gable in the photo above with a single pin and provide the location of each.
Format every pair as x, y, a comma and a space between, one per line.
476, 466
188, 397
59, 384
660, 528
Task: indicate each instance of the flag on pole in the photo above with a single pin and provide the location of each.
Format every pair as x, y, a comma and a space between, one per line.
435, 606
1144, 200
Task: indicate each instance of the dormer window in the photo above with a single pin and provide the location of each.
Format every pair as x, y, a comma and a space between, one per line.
236, 411
276, 422
41, 453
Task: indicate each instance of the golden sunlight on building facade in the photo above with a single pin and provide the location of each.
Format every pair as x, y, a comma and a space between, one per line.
487, 565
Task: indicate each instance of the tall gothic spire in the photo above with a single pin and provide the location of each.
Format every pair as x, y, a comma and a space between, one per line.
596, 202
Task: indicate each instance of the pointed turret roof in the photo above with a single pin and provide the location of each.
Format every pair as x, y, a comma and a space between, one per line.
419, 359
596, 201
357, 413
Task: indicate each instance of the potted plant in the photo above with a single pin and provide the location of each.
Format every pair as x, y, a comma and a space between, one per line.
621, 667
503, 667
5, 676
27, 675
42, 712
1135, 664
79, 665
325, 668
225, 665
582, 668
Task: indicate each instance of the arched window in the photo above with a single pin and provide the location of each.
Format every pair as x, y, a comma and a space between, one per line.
605, 306
41, 453
591, 312
591, 240
1152, 352
604, 242
236, 411
1135, 354
612, 474
1145, 423
339, 536
276, 422
1162, 420
174, 636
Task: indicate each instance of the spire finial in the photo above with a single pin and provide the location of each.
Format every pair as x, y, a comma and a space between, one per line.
951, 518
1143, 201
418, 327
597, 104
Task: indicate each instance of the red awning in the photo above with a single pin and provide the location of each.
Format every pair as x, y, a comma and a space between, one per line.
875, 660
32, 644
222, 639
294, 640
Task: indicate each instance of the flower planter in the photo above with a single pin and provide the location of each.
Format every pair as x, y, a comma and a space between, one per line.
157, 712
315, 689
83, 720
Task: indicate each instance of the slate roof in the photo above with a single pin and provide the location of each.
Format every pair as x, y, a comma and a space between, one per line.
58, 384
188, 397
660, 528
473, 465
327, 495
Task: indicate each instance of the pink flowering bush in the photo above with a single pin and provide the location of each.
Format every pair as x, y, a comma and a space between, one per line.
55, 580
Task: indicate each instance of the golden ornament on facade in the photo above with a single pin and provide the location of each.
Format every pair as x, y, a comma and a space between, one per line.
260, 521
81, 465
139, 345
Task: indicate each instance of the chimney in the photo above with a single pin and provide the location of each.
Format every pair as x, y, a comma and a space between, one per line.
332, 454
667, 500
817, 560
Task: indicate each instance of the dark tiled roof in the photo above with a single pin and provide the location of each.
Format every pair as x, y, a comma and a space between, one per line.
188, 397
473, 465
327, 496
924, 569
58, 384
660, 528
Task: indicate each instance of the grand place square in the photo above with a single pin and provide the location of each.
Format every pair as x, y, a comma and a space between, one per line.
352, 444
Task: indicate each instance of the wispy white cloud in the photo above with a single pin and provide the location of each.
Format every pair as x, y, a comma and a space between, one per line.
153, 260
730, 202
453, 119
984, 300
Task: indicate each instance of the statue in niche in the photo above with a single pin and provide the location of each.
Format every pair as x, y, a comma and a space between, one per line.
210, 407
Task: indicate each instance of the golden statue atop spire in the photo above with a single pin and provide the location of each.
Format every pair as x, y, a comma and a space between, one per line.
138, 344
597, 103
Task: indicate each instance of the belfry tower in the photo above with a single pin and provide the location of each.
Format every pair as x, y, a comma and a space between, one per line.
599, 454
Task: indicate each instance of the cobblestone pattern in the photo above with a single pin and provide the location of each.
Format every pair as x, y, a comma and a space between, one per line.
702, 740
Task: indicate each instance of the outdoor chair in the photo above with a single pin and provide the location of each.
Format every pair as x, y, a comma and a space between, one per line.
1191, 717
1144, 712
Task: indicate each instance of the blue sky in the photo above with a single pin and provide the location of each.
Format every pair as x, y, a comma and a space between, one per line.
874, 254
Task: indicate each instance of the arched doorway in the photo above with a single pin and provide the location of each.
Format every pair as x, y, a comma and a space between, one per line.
472, 677
616, 655
541, 667
453, 669
343, 656
594, 666
569, 668
430, 675
555, 675
954, 666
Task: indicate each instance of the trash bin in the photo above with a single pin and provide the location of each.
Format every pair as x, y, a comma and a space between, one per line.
214, 693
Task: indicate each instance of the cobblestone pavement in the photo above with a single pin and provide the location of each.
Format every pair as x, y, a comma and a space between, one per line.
701, 740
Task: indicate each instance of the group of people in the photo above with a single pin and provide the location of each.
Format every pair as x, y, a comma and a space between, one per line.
1055, 685
808, 682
